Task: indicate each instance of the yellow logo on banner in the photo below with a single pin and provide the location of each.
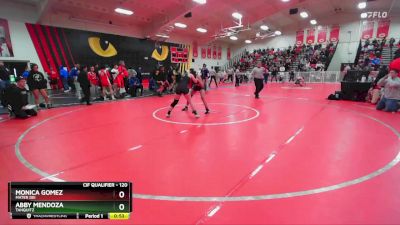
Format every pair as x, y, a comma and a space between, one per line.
94, 43
161, 57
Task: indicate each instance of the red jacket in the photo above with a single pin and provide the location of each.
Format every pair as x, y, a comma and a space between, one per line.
123, 71
93, 78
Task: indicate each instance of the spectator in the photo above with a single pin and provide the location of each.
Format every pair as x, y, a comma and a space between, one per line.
38, 85
205, 74
4, 49
161, 82
391, 96
16, 99
139, 74
25, 74
94, 81
397, 54
64, 78
122, 78
105, 83
53, 76
4, 76
392, 41
213, 76
84, 83
135, 84
73, 77
291, 76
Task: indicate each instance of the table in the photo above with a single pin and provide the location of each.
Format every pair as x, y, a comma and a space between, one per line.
355, 91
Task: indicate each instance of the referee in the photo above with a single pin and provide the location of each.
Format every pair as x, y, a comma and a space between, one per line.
258, 74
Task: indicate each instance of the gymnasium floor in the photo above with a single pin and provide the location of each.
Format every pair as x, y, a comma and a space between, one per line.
291, 157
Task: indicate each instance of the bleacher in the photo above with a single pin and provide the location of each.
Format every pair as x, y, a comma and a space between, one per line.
298, 58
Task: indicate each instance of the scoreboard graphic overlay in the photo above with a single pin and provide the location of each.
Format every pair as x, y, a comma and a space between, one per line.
70, 200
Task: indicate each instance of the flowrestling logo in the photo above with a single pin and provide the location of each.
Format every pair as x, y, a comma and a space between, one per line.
377, 15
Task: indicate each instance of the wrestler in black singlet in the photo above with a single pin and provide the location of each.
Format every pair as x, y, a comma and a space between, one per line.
183, 85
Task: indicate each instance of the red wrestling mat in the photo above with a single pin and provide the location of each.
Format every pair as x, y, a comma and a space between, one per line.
290, 157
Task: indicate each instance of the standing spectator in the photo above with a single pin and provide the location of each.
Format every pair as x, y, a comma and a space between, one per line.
291, 76
64, 78
213, 75
170, 75
84, 83
123, 77
4, 49
237, 78
164, 74
230, 73
274, 74
105, 83
139, 74
205, 74
38, 84
114, 78
396, 54
94, 81
25, 74
266, 75
161, 82
53, 76
391, 42
73, 76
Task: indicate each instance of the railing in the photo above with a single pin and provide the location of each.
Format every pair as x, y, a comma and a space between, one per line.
234, 60
309, 77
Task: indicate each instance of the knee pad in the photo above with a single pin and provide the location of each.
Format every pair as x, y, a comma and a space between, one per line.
174, 103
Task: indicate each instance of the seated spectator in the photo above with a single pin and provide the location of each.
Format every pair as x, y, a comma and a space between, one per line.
135, 84
16, 99
391, 96
376, 61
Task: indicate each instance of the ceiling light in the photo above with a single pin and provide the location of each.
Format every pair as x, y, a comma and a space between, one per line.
247, 41
180, 25
313, 22
364, 15
285, 0
233, 38
237, 15
162, 35
304, 14
264, 27
278, 32
362, 5
201, 30
200, 1
123, 11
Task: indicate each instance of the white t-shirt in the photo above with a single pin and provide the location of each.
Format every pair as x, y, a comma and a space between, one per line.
114, 73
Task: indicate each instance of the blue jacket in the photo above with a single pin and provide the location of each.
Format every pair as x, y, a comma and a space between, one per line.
134, 81
73, 72
63, 73
25, 74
